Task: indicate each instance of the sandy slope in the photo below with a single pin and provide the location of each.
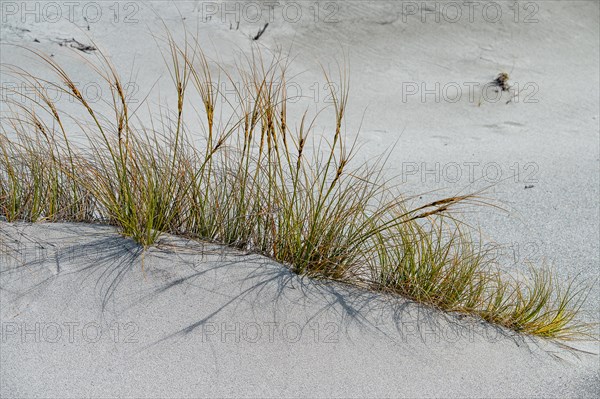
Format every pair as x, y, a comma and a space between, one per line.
550, 136
81, 319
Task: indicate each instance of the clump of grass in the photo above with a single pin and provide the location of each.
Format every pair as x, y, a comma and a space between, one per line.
34, 178
252, 183
441, 266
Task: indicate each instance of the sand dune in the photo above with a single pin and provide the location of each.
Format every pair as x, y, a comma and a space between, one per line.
85, 314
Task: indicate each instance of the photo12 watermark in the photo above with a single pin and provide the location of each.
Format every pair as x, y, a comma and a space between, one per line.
71, 332
270, 332
470, 172
470, 11
234, 12
515, 253
92, 12
473, 92
92, 92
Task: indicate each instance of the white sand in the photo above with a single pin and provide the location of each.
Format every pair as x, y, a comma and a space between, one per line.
553, 143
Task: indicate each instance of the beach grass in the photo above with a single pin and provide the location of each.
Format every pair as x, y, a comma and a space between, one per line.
252, 181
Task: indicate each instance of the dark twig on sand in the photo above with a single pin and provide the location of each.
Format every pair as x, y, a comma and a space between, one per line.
86, 48
260, 32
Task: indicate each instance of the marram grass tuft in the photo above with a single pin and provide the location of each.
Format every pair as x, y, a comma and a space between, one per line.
251, 182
